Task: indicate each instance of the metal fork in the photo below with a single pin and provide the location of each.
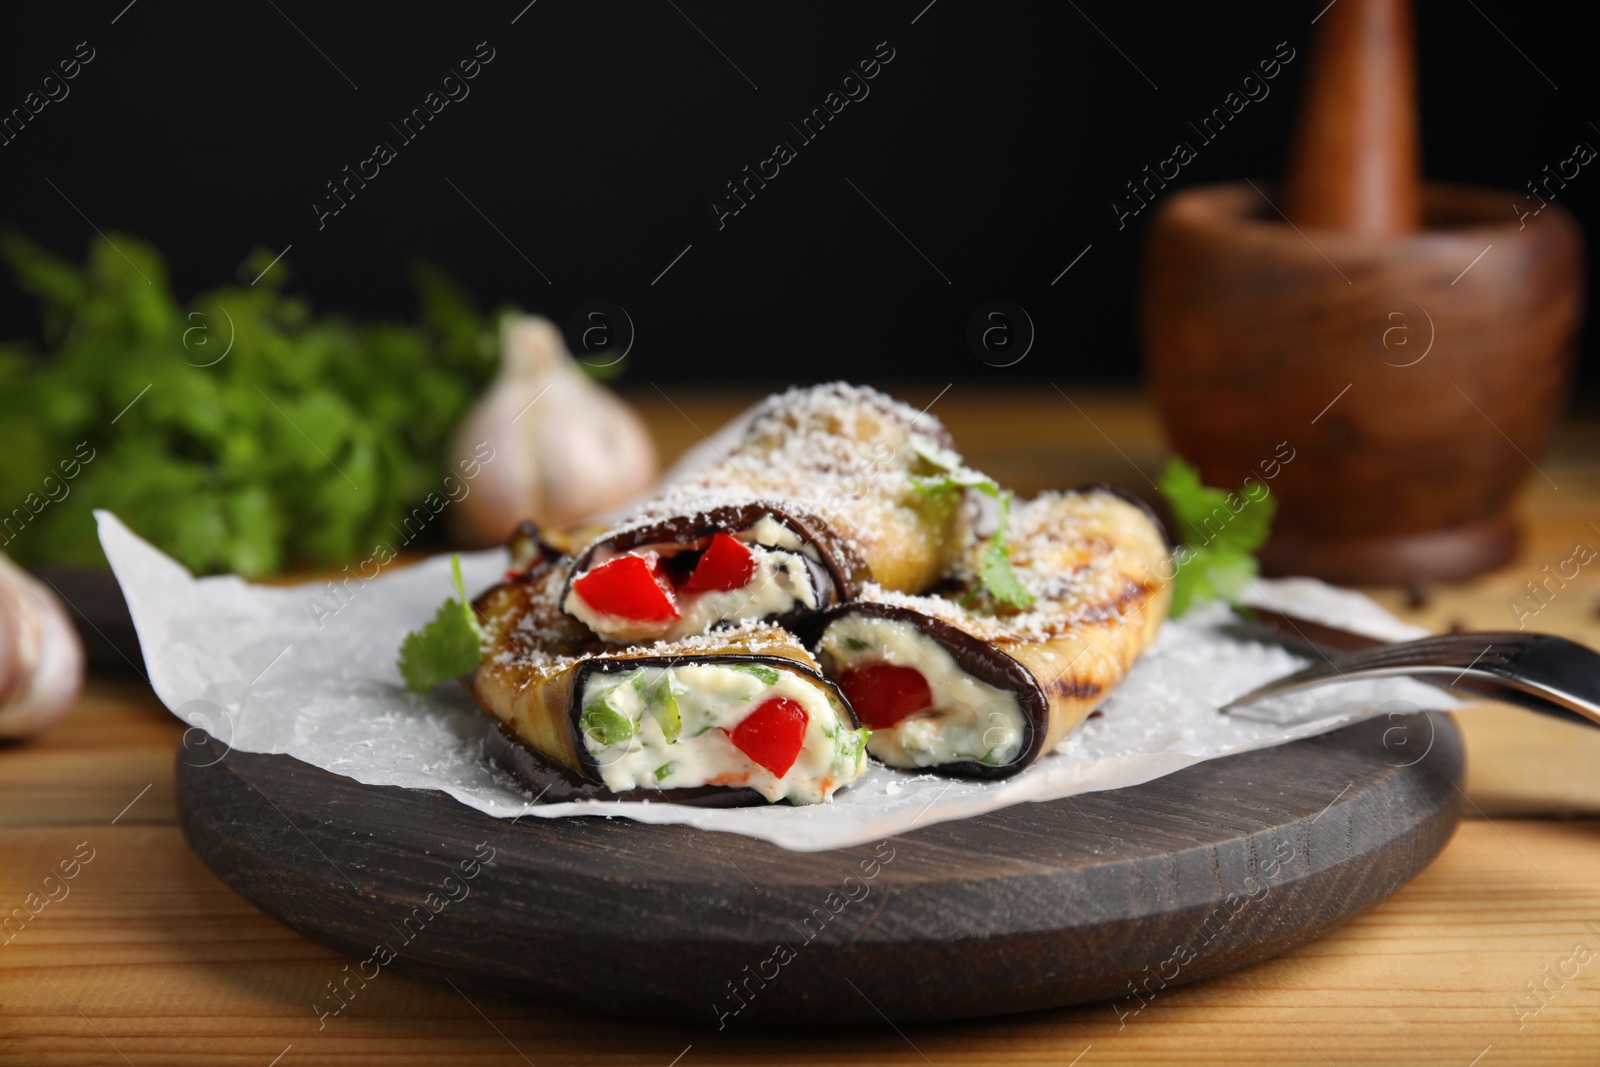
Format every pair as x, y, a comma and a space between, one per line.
1536, 671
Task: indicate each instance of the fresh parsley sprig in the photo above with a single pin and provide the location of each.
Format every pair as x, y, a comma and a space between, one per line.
950, 481
1221, 532
238, 431
945, 476
447, 647
994, 565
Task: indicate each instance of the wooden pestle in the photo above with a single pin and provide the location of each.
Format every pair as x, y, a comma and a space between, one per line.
1393, 361
1355, 166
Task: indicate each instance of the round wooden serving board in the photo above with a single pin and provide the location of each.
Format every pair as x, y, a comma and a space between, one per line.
1103, 896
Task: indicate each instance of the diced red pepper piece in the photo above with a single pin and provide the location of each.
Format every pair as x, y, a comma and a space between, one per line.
772, 734
628, 587
726, 565
883, 693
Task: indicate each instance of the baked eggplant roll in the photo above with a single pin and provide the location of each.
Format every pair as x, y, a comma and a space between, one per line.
663, 579
743, 716
828, 485
983, 691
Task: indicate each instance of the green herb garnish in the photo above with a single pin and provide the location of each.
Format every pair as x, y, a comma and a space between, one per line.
855, 644
666, 770
994, 565
768, 675
1221, 532
943, 488
944, 471
952, 481
604, 724
237, 431
931, 455
448, 647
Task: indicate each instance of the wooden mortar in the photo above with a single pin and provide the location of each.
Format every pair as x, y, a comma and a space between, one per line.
1408, 346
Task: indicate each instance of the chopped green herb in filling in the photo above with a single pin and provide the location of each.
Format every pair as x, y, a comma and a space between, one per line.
851, 743
769, 675
605, 724
640, 725
661, 699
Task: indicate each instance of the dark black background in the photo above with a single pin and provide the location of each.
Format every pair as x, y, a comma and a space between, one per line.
995, 141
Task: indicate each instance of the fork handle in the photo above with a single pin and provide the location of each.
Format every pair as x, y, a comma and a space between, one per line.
1505, 694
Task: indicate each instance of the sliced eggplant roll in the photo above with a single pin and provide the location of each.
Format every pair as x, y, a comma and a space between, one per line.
743, 716
984, 691
828, 485
687, 574
866, 463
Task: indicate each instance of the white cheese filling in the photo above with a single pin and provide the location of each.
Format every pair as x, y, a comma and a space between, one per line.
769, 531
969, 719
668, 728
779, 582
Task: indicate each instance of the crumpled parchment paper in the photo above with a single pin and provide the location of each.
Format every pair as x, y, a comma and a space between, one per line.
309, 670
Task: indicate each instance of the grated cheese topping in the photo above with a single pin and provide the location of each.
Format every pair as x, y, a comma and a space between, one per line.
846, 454
1086, 557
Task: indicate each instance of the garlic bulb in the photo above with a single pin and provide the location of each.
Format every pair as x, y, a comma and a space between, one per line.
41, 659
546, 442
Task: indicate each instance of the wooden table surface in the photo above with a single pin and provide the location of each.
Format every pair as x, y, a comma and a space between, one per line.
148, 959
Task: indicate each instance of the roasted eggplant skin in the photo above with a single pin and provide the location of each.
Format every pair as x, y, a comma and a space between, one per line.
845, 569
553, 783
978, 658
609, 665
574, 775
1136, 500
1055, 679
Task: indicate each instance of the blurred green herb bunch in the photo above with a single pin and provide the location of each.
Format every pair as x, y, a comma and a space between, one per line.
240, 433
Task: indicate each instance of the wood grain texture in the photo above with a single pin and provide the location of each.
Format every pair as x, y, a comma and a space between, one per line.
1119, 893
173, 967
